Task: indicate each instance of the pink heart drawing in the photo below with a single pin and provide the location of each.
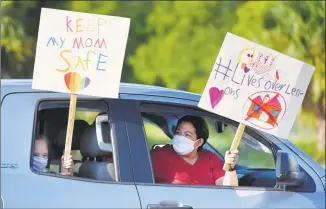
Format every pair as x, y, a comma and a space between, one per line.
215, 95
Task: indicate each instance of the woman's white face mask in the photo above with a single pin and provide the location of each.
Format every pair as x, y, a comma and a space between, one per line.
182, 145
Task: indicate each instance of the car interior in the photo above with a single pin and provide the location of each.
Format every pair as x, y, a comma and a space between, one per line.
87, 156
257, 177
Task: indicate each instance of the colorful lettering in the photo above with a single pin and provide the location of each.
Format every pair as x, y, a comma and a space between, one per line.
79, 44
88, 40
100, 22
68, 63
62, 42
54, 42
68, 24
100, 44
89, 23
79, 62
99, 61
77, 25
87, 60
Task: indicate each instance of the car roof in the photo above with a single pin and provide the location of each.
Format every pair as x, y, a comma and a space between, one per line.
25, 85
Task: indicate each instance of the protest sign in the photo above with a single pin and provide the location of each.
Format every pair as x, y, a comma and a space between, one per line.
79, 53
256, 86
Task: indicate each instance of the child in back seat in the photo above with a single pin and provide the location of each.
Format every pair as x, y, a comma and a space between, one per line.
40, 158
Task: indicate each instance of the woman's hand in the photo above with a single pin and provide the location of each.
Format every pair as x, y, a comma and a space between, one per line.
231, 157
66, 167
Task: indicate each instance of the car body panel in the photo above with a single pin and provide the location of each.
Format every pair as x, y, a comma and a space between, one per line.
23, 188
218, 197
208, 197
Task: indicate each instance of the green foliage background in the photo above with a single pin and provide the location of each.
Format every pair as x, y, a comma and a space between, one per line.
175, 43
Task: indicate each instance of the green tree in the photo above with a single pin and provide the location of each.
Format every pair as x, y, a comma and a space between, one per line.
137, 11
19, 30
295, 28
185, 38
183, 43
16, 45
19, 35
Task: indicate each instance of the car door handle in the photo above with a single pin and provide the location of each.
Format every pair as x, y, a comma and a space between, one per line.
168, 205
158, 206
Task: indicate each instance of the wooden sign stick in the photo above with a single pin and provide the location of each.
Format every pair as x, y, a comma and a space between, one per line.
70, 126
235, 142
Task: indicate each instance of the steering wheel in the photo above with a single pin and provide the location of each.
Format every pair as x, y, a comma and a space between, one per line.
247, 179
258, 178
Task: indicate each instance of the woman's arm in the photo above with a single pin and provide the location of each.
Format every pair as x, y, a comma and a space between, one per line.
230, 178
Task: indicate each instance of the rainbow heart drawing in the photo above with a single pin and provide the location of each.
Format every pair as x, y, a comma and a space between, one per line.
75, 82
215, 96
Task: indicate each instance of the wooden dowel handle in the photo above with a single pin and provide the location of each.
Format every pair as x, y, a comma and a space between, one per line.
235, 142
70, 126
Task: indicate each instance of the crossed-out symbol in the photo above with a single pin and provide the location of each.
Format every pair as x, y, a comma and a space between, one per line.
262, 107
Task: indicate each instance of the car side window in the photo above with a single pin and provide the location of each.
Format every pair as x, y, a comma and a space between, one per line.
160, 123
154, 134
252, 153
89, 161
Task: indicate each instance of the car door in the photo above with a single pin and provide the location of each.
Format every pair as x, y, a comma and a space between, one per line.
21, 187
152, 194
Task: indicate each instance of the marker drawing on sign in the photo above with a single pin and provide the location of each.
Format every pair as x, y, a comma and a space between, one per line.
88, 47
246, 59
264, 64
265, 109
73, 56
215, 95
277, 76
75, 82
256, 86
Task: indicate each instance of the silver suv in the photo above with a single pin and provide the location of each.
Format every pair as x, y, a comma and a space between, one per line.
273, 173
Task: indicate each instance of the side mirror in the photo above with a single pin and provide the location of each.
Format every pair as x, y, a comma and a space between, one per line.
288, 173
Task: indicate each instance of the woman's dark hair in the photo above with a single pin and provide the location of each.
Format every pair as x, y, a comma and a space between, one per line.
200, 126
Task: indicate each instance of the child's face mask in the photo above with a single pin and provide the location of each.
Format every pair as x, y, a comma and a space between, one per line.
39, 163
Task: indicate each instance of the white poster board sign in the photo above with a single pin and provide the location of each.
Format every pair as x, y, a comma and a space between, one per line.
80, 53
256, 86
